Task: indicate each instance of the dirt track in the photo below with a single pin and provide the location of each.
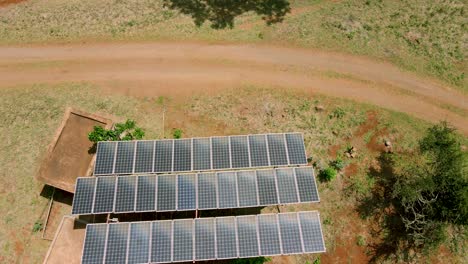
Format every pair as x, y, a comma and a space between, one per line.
147, 69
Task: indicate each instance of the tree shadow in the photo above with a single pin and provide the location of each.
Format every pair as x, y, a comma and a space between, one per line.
221, 13
384, 210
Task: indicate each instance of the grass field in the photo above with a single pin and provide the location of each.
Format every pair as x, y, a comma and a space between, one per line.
424, 36
31, 114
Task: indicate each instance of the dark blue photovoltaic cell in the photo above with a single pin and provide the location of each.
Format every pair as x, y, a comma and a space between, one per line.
296, 149
138, 250
144, 156
105, 191
227, 190
125, 196
290, 233
207, 191
83, 198
269, 235
166, 193
306, 184
277, 150
258, 150
124, 157
116, 250
105, 154
205, 239
163, 156
161, 241
240, 151
247, 188
182, 155
146, 193
311, 232
94, 244
286, 185
226, 237
201, 154
247, 235
183, 240
186, 192
267, 187
220, 149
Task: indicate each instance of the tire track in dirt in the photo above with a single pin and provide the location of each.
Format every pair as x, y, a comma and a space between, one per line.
149, 69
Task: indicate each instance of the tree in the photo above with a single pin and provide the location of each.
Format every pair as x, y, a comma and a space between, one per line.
121, 131
221, 14
432, 189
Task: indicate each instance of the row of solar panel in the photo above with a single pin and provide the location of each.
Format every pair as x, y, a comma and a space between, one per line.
230, 189
204, 238
197, 154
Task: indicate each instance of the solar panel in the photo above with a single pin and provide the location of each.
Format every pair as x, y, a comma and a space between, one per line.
84, 191
117, 239
201, 154
306, 183
220, 148
240, 152
247, 183
139, 244
186, 185
105, 155
290, 233
125, 195
163, 156
226, 237
227, 190
166, 193
202, 191
268, 194
161, 241
311, 232
204, 238
247, 235
287, 186
207, 191
182, 155
277, 149
258, 151
95, 244
269, 235
196, 154
183, 240
144, 156
205, 248
296, 148
124, 157
146, 193
104, 196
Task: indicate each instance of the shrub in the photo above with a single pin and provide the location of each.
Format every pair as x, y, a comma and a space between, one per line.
121, 131
337, 164
327, 174
338, 113
259, 260
37, 226
177, 133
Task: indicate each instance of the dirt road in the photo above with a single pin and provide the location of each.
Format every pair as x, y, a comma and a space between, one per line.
148, 69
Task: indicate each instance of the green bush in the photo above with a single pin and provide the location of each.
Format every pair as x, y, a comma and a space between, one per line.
121, 131
327, 174
337, 113
177, 133
37, 226
259, 260
337, 164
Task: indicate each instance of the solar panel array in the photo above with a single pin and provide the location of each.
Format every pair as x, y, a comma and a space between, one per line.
204, 238
202, 191
198, 154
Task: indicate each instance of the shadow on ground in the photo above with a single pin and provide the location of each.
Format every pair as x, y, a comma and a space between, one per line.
383, 209
221, 14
